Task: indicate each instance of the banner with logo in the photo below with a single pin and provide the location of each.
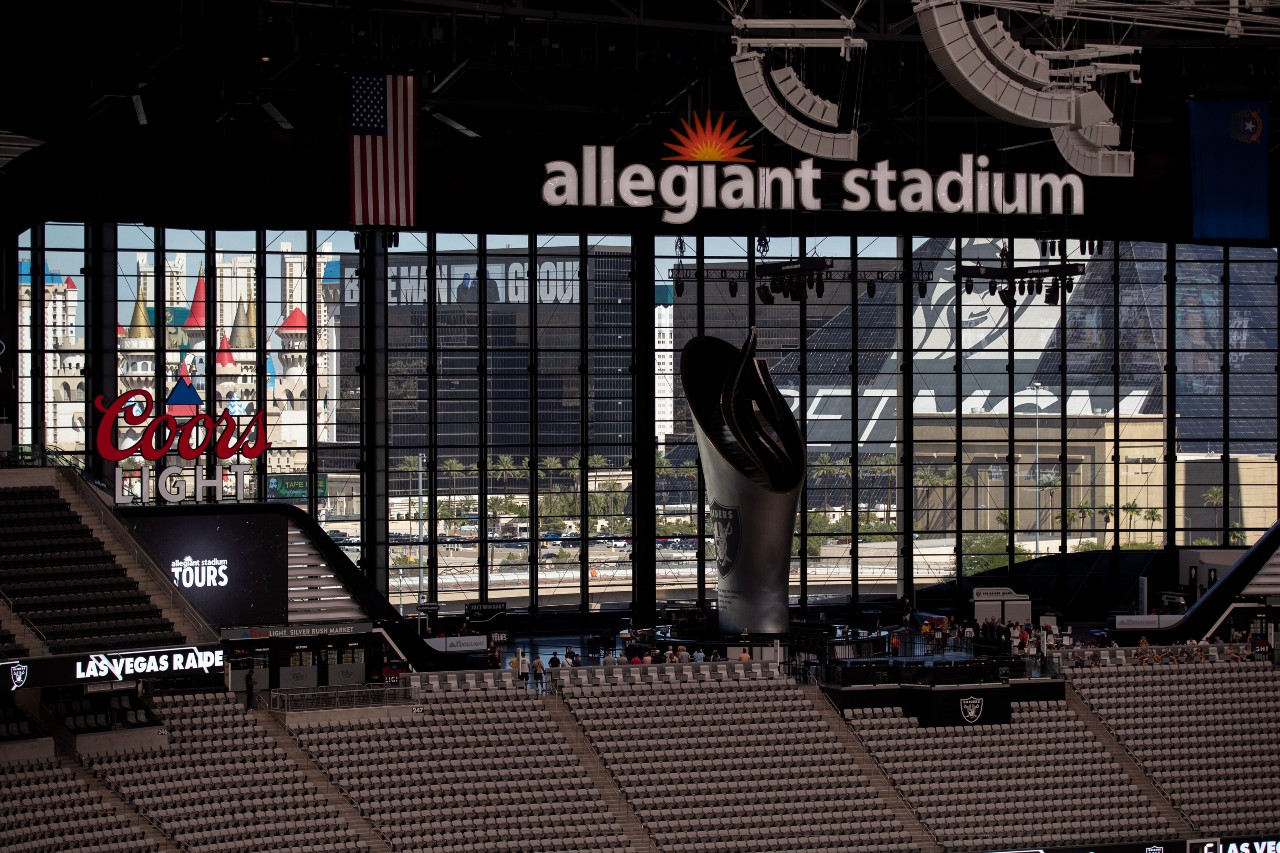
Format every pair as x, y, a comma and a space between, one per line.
959, 704
1141, 847
234, 568
99, 667
1239, 844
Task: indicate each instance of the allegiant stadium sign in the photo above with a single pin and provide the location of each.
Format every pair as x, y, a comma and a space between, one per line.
685, 189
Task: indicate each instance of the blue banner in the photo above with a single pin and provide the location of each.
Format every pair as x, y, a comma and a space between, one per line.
1229, 170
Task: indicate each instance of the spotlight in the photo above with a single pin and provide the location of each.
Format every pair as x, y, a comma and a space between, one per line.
991, 287
1044, 247
1039, 285
921, 289
1006, 296
871, 290
733, 289
1051, 295
968, 285
765, 296
819, 287
1022, 287
1068, 283
1062, 248
679, 287
762, 243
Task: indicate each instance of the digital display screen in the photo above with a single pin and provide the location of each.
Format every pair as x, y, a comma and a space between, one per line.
234, 569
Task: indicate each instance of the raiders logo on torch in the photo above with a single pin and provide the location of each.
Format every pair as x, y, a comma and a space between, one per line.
727, 529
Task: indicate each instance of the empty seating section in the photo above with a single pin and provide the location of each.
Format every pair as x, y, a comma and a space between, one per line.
476, 770
1207, 735
731, 764
9, 647
102, 713
45, 806
16, 725
223, 784
1040, 780
65, 583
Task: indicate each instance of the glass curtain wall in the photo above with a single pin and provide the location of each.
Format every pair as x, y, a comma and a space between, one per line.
967, 402
51, 350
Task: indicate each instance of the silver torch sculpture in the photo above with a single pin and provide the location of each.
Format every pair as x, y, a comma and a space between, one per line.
753, 460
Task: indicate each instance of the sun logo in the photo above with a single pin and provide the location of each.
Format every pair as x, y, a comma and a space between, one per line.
708, 143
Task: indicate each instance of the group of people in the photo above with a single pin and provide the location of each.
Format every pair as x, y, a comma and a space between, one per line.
1146, 654
1188, 652
533, 671
673, 654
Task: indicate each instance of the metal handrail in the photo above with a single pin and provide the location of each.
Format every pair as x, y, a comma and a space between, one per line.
125, 538
30, 626
296, 699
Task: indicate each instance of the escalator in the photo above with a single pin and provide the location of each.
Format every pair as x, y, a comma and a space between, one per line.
1252, 582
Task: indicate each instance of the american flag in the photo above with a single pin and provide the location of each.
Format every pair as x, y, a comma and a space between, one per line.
384, 157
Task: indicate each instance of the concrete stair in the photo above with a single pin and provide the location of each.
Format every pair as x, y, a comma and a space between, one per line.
921, 838
21, 633
117, 804
100, 518
1122, 757
334, 799
572, 734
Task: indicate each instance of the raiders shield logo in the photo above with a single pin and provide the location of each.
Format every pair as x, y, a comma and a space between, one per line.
971, 708
18, 673
726, 527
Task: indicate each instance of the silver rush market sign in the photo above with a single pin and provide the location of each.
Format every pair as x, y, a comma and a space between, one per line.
682, 190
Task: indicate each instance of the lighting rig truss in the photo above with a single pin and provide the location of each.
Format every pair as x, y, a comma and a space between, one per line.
791, 278
1023, 280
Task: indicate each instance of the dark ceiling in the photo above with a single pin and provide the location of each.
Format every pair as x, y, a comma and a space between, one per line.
533, 79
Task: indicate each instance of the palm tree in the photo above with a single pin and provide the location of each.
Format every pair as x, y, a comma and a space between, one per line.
1108, 512
598, 500
1212, 497
818, 472
928, 480
1083, 510
1152, 517
1005, 520
504, 470
1236, 536
1048, 483
550, 465
883, 467
1132, 512
453, 469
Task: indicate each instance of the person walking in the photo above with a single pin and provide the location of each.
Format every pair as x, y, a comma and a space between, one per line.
520, 665
539, 670
250, 688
